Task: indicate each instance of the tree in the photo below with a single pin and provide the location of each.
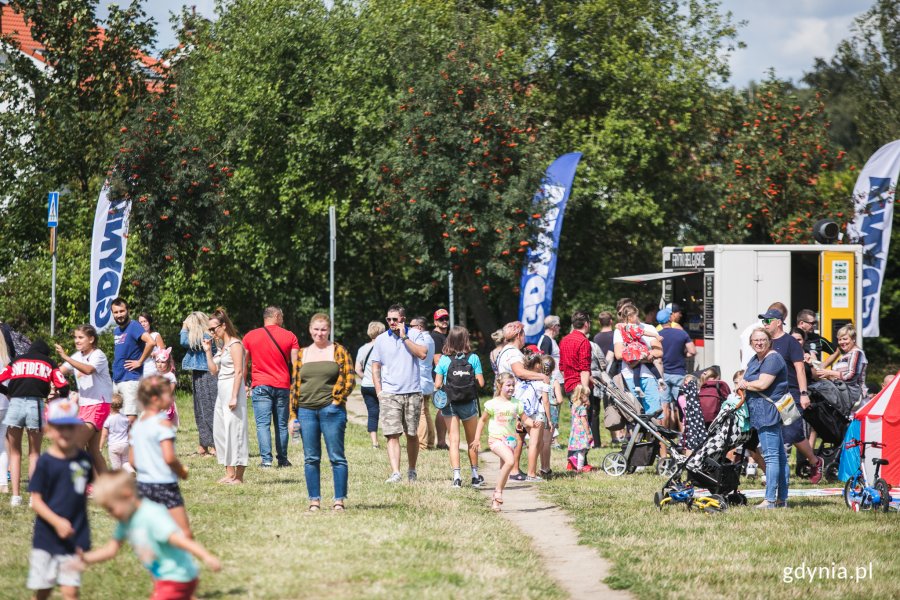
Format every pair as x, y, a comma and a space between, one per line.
767, 172
59, 125
461, 167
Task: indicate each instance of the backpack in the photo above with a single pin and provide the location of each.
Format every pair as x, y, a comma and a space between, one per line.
712, 394
459, 384
21, 344
635, 350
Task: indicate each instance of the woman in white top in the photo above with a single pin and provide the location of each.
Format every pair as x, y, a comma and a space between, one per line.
95, 388
4, 405
230, 431
146, 322
367, 386
510, 358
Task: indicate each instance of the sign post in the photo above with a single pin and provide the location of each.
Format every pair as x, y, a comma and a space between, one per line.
450, 305
52, 222
332, 225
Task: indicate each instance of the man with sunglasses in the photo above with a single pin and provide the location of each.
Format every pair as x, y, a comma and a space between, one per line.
396, 374
815, 343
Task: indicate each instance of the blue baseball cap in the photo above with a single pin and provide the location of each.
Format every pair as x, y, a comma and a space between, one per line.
772, 313
663, 316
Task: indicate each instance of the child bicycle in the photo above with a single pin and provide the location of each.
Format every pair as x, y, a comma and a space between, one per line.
858, 494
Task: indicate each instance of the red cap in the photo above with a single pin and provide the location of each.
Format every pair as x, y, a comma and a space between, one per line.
441, 313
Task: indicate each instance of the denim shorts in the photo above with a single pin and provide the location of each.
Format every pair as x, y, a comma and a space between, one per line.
25, 412
464, 411
673, 382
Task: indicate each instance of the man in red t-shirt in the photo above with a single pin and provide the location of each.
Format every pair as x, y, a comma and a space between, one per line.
575, 353
272, 352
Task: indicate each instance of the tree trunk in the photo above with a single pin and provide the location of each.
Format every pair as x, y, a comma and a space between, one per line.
484, 317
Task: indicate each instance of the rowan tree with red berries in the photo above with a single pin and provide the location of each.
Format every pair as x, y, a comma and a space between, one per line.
458, 178
776, 167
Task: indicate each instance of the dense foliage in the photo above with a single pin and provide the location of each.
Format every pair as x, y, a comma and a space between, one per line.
428, 125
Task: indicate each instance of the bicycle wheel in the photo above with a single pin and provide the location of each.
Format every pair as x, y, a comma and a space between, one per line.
853, 489
884, 490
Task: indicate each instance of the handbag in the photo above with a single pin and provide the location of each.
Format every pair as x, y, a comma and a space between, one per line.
439, 399
787, 408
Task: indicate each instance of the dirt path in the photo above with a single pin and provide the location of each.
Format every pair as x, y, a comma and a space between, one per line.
578, 569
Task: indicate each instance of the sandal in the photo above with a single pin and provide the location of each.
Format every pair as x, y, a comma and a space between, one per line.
313, 508
338, 507
496, 502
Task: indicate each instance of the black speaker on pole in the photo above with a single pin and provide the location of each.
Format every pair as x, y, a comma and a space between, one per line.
826, 231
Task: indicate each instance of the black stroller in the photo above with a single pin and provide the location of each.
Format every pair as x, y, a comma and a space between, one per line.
643, 447
709, 468
829, 414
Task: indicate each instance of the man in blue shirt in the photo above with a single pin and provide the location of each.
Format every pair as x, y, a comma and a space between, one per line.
396, 373
677, 346
133, 346
425, 429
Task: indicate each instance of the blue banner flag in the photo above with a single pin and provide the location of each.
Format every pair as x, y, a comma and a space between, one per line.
108, 247
873, 197
539, 269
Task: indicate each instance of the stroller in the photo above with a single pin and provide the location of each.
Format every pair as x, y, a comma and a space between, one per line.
829, 414
643, 447
708, 468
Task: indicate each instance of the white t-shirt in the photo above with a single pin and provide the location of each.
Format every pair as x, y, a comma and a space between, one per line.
170, 377
150, 363
117, 425
96, 388
648, 337
509, 354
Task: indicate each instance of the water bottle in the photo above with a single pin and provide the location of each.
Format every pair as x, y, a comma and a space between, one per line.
295, 431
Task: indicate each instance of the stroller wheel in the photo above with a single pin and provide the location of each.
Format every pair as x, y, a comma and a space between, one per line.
720, 499
657, 499
737, 499
666, 466
614, 464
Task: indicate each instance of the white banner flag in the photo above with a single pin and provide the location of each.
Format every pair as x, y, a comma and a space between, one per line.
873, 197
107, 256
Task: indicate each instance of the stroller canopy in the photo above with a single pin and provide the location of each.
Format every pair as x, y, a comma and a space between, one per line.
880, 422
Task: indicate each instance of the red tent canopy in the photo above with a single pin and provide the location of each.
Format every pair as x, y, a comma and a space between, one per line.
880, 422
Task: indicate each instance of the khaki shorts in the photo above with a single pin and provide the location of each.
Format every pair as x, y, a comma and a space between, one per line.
400, 413
46, 571
129, 391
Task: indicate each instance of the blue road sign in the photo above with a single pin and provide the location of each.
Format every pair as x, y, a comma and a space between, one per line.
52, 209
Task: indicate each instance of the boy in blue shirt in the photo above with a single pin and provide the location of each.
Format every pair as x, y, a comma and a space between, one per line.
159, 543
58, 498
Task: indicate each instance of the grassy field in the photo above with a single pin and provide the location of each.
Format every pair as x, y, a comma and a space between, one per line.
739, 554
420, 541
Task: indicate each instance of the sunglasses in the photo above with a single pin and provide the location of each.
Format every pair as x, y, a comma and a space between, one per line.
811, 322
768, 321
213, 329
443, 320
392, 319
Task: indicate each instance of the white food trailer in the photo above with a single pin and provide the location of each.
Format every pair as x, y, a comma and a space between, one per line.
722, 288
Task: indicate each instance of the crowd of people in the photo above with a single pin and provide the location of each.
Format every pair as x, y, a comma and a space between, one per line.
403, 371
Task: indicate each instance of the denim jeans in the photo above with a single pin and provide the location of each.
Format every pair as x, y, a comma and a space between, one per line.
329, 422
372, 407
777, 468
269, 402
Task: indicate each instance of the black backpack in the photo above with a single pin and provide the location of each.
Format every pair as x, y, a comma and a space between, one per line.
459, 384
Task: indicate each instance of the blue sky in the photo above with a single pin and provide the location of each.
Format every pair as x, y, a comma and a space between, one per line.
784, 34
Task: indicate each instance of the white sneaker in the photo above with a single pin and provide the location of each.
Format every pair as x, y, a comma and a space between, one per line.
394, 478
15, 501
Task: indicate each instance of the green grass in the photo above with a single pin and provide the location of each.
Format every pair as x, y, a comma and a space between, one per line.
739, 554
420, 541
